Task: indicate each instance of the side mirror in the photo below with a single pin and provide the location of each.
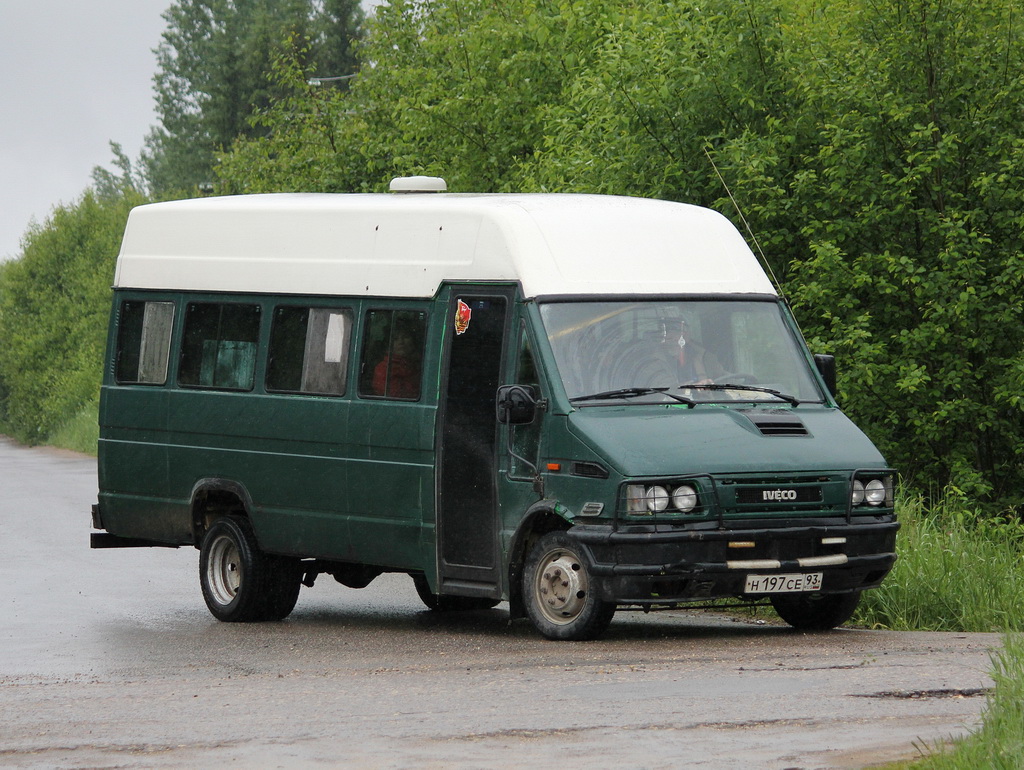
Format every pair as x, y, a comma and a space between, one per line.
516, 404
827, 369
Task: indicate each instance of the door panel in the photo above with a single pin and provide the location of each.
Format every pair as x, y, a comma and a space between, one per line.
467, 506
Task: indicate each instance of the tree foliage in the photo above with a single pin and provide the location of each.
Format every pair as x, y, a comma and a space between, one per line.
909, 195
54, 305
458, 86
212, 72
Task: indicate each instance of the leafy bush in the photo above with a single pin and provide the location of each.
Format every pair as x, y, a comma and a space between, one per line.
54, 306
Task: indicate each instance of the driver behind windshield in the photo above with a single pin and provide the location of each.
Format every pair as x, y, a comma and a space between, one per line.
694, 364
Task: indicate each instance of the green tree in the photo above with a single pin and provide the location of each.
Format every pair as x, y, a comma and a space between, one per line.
212, 73
54, 305
910, 200
459, 87
312, 140
126, 178
463, 85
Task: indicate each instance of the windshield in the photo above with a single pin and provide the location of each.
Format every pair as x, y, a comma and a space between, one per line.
688, 351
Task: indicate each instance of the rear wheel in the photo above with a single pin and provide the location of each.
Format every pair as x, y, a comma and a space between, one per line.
816, 612
449, 603
559, 592
241, 583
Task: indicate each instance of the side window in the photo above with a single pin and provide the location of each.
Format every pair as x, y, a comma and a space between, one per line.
218, 349
391, 365
144, 342
525, 438
526, 370
309, 350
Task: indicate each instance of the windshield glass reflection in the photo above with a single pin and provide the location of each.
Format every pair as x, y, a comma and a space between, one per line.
689, 351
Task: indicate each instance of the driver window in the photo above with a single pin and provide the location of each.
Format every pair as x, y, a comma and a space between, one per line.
525, 438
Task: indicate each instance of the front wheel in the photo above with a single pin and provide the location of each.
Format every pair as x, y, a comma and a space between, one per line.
816, 612
561, 599
240, 583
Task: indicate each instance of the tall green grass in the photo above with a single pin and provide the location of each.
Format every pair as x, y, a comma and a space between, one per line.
80, 433
959, 569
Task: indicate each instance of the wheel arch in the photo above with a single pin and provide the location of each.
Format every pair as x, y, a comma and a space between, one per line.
213, 498
540, 519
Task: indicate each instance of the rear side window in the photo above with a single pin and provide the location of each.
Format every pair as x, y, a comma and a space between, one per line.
392, 359
309, 350
143, 342
219, 346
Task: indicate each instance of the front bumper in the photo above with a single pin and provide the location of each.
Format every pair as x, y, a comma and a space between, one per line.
651, 565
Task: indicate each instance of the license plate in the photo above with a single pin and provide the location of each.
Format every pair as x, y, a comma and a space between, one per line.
782, 584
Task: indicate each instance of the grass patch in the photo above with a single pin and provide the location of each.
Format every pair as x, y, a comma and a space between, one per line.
999, 743
80, 433
959, 569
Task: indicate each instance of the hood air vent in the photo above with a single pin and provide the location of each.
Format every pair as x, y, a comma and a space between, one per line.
776, 422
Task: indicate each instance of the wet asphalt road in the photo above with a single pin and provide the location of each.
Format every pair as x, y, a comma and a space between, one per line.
110, 659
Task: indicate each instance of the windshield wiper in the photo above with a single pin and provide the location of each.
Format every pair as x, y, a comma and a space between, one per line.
729, 386
633, 393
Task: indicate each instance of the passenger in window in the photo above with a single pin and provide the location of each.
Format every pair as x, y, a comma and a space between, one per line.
397, 375
694, 364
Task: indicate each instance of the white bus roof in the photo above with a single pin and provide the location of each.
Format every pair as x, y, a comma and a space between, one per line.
407, 244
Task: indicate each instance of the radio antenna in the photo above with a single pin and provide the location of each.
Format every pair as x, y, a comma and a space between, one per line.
750, 232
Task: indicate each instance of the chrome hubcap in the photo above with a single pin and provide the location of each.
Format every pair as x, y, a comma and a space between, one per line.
223, 570
561, 586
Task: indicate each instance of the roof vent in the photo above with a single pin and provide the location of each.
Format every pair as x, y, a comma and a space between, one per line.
418, 184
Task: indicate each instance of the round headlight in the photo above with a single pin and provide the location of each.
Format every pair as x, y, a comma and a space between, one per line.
858, 492
657, 499
684, 498
874, 492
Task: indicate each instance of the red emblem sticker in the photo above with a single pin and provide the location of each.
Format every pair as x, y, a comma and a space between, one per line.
462, 316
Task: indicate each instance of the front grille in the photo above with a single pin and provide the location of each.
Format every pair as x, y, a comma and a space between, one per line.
777, 494
745, 495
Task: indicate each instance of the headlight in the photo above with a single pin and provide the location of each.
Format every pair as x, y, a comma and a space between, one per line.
663, 497
874, 492
636, 499
684, 498
858, 492
657, 499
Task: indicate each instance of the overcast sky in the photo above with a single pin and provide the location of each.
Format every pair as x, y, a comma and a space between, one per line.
74, 75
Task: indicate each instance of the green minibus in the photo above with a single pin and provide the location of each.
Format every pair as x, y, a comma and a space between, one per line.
570, 403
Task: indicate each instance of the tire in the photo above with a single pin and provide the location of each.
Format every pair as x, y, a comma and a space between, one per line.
815, 612
449, 603
240, 583
558, 592
284, 580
